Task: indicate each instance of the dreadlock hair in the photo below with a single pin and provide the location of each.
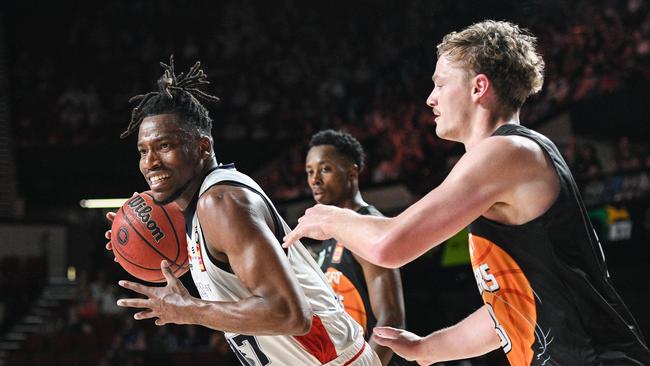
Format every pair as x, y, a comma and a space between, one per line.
344, 143
179, 95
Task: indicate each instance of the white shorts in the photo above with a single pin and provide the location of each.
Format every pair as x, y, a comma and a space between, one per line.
358, 354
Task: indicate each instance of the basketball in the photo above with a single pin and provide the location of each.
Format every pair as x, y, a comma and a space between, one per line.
144, 233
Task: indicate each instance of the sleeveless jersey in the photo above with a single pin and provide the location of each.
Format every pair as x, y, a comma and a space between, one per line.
334, 339
346, 277
546, 284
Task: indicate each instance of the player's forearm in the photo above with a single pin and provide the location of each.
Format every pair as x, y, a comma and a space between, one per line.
380, 240
358, 233
474, 336
251, 316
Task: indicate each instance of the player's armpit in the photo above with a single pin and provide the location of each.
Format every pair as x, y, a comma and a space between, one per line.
236, 223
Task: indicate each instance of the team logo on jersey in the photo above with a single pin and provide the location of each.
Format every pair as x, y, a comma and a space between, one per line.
338, 253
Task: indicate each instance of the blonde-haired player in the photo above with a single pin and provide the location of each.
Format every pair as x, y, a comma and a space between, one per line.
537, 262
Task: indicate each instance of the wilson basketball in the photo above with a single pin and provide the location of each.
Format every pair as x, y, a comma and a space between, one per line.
144, 233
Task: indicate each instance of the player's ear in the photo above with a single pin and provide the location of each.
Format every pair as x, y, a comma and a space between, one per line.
480, 86
205, 147
353, 171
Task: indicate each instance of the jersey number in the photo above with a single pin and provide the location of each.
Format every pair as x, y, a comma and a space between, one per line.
248, 351
506, 344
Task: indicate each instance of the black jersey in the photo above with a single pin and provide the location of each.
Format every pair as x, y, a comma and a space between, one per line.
346, 277
546, 284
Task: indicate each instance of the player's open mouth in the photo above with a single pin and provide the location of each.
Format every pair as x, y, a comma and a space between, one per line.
158, 179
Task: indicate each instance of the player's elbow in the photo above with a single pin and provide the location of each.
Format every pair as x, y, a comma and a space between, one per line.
384, 254
293, 317
299, 323
304, 326
385, 260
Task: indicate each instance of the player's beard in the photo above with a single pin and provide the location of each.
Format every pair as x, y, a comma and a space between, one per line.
174, 195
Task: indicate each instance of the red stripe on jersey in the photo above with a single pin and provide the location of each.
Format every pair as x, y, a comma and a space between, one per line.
356, 356
317, 342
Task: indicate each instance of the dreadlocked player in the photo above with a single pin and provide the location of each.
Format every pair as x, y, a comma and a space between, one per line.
274, 306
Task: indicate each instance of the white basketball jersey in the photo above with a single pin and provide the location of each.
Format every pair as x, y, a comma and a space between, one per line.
334, 339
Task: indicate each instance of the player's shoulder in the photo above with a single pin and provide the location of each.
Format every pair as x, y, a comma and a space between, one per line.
509, 150
227, 197
505, 159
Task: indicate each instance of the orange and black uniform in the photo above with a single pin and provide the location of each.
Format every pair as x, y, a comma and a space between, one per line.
546, 283
346, 277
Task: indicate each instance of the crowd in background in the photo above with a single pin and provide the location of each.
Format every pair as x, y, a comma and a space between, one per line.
281, 76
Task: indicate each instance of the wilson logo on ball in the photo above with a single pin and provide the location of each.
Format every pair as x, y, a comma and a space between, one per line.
138, 241
142, 209
123, 235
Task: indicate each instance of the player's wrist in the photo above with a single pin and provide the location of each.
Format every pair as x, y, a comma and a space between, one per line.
194, 311
425, 348
334, 218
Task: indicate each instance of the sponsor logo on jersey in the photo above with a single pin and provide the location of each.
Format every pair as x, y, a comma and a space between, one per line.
196, 250
338, 253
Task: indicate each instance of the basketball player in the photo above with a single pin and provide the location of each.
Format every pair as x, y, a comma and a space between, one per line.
537, 261
372, 295
274, 306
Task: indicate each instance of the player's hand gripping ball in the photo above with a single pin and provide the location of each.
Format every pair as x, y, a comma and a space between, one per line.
144, 233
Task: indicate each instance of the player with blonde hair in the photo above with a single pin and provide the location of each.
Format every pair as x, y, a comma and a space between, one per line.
537, 261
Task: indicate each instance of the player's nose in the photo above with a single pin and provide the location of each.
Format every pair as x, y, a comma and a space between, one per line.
314, 180
432, 99
151, 161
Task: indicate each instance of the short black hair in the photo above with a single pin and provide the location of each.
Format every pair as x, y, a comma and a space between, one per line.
344, 143
177, 94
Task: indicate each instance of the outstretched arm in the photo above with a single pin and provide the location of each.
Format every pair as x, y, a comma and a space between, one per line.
392, 242
473, 336
468, 192
236, 225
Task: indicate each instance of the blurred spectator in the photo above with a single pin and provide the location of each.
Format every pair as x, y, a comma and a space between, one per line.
626, 157
163, 340
587, 163
190, 339
104, 293
134, 338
